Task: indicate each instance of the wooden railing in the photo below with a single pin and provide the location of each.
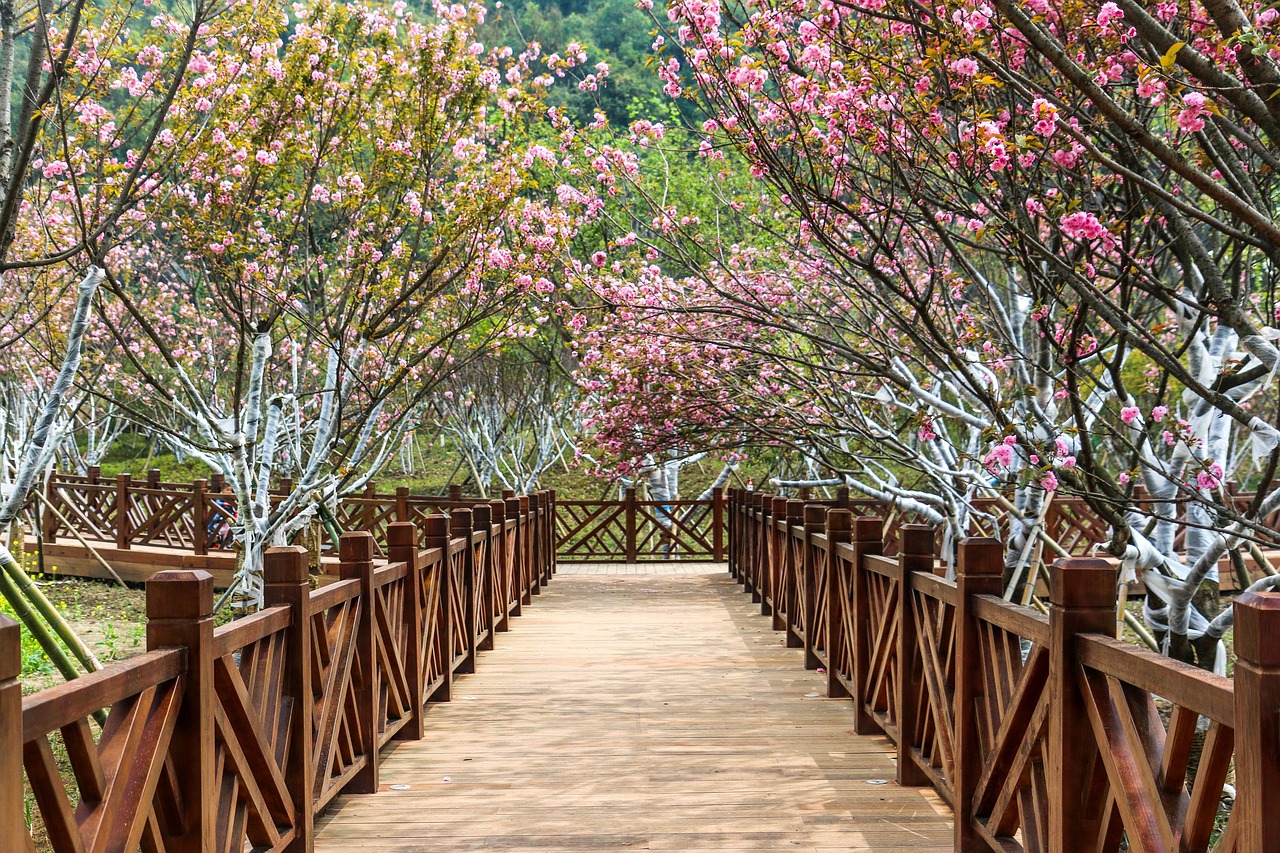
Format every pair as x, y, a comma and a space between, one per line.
631, 529
133, 513
233, 738
1041, 732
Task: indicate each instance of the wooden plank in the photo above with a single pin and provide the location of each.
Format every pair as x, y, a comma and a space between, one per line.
643, 711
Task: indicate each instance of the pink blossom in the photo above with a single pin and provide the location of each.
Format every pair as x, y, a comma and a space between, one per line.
1159, 413
1049, 482
1191, 116
1108, 13
1001, 455
965, 67
1129, 414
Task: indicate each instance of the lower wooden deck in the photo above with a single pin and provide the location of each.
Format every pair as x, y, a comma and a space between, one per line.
639, 712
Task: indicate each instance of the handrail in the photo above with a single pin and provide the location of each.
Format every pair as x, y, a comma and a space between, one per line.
289, 706
1040, 732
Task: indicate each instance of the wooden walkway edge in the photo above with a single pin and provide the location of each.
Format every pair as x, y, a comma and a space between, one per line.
640, 712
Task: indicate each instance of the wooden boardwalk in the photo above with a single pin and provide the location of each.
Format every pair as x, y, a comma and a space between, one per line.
640, 712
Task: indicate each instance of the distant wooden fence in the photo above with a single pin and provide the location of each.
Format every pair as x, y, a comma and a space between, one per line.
631, 529
233, 738
1042, 733
134, 513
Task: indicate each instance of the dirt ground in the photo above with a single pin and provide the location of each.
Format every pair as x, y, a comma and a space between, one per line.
108, 618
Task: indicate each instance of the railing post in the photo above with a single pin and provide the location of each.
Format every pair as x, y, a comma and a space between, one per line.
528, 533
916, 556
180, 614
217, 482
355, 553
153, 478
789, 579
839, 523
548, 535
761, 506
286, 585
535, 544
13, 824
402, 503
764, 579
629, 513
979, 571
815, 520
842, 497
199, 518
1257, 692
512, 509
717, 524
460, 528
868, 540
50, 520
436, 535
731, 523
498, 560
481, 522
554, 522
123, 533
370, 507
1082, 594
455, 491
402, 547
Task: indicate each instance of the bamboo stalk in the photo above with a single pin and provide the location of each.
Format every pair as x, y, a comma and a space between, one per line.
1261, 558
28, 589
22, 609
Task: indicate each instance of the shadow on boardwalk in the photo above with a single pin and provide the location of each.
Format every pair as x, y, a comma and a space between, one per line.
642, 712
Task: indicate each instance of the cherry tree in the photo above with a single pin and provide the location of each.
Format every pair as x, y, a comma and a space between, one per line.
512, 414
357, 224
1055, 216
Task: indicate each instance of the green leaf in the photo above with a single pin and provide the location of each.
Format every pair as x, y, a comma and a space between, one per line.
1171, 54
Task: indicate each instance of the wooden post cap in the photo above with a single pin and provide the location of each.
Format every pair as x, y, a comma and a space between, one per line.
980, 555
508, 494
1257, 628
437, 527
180, 594
779, 507
460, 521
402, 534
513, 507
355, 547
795, 511
1082, 582
285, 565
868, 528
524, 503
917, 539
10, 648
839, 520
815, 515
481, 517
